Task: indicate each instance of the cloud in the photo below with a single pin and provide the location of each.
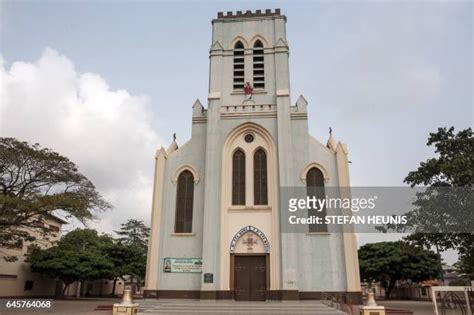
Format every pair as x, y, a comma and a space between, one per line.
107, 133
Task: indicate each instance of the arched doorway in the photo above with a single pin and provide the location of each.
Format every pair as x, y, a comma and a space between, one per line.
249, 197
250, 265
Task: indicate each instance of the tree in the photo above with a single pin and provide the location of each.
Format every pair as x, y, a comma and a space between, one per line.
389, 262
443, 215
130, 251
452, 168
134, 232
454, 165
78, 256
465, 264
34, 183
83, 254
128, 260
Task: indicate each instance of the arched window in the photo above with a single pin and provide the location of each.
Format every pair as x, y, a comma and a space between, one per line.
239, 66
315, 188
258, 66
238, 178
184, 203
260, 177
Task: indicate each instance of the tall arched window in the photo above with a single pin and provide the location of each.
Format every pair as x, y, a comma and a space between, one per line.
260, 177
238, 178
258, 66
239, 66
184, 203
315, 188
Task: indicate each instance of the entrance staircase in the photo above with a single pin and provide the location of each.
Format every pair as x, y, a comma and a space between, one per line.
175, 306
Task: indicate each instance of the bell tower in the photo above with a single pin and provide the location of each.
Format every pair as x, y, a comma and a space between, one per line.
249, 47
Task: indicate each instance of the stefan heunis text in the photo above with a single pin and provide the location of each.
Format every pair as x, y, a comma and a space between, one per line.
345, 219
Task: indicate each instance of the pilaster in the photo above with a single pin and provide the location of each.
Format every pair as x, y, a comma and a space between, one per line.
289, 251
349, 238
212, 201
153, 263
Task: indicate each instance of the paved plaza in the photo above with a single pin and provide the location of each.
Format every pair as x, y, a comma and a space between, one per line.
149, 307
171, 306
71, 307
418, 307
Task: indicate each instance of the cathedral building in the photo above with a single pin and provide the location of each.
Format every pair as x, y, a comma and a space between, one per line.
216, 230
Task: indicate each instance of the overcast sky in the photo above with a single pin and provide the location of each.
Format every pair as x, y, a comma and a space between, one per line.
108, 83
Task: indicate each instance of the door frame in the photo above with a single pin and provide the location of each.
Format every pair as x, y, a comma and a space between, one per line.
232, 271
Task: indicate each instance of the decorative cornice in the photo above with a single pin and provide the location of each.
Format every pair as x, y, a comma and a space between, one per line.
299, 116
248, 115
248, 111
248, 14
199, 120
283, 92
214, 96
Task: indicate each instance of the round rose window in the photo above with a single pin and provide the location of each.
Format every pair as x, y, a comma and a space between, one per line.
249, 138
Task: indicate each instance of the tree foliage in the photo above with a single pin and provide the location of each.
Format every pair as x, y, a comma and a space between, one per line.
35, 182
389, 262
83, 254
454, 164
134, 232
131, 250
128, 260
443, 216
465, 264
79, 255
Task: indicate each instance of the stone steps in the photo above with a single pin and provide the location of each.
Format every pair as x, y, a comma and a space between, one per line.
231, 312
161, 306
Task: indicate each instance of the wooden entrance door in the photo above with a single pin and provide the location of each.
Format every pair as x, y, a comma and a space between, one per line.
250, 278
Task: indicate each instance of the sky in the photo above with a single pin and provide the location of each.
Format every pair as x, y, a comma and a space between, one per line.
107, 83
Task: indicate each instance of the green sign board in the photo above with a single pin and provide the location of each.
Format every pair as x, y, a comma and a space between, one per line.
182, 264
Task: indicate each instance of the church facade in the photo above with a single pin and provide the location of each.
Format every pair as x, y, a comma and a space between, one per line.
215, 228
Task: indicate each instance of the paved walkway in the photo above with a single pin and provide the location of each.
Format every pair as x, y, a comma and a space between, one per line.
70, 307
181, 306
418, 307
165, 306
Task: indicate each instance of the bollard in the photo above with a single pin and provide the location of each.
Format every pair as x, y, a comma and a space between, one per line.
371, 299
371, 307
126, 306
127, 297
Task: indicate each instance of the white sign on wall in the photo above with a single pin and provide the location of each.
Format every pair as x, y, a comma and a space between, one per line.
193, 265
